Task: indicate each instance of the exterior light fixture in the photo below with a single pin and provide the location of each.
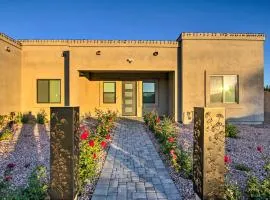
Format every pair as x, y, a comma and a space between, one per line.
130, 60
7, 49
98, 53
155, 53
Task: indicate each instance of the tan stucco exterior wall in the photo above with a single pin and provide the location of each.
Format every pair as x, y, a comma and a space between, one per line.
10, 75
180, 68
205, 56
40, 62
43, 60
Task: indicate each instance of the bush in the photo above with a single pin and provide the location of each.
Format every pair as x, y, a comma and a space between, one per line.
93, 144
232, 192
231, 131
242, 167
41, 117
36, 188
25, 118
258, 190
6, 134
164, 131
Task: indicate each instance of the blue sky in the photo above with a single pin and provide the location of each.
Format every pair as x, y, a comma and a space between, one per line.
127, 19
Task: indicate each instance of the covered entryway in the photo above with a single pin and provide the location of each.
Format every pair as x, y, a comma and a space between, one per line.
129, 93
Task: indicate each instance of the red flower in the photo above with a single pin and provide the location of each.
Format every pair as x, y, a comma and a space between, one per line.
103, 144
174, 156
94, 156
158, 120
171, 139
84, 135
91, 143
11, 165
108, 137
227, 159
172, 152
8, 178
260, 149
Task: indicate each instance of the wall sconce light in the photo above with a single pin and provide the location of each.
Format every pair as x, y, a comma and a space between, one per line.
155, 53
130, 60
7, 49
98, 53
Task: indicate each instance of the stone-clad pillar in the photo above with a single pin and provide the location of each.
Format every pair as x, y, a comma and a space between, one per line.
208, 152
64, 150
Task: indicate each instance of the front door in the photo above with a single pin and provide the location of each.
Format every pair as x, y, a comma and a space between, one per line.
129, 98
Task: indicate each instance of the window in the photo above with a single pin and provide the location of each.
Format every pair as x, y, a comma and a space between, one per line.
48, 91
149, 89
223, 89
109, 95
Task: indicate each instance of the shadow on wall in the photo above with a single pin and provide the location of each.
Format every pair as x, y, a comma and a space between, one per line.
267, 106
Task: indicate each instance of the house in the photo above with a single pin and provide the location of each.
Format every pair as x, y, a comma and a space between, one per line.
133, 77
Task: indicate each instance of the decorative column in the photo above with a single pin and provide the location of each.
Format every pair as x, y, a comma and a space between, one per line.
208, 152
64, 150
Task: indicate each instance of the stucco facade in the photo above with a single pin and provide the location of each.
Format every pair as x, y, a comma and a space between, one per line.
179, 70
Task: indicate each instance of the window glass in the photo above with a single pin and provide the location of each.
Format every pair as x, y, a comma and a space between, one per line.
43, 91
216, 89
149, 92
109, 95
148, 87
55, 91
230, 85
109, 87
48, 91
223, 89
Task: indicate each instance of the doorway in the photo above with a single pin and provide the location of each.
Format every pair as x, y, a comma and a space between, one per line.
129, 98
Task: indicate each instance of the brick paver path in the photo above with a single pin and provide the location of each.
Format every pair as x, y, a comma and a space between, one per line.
133, 168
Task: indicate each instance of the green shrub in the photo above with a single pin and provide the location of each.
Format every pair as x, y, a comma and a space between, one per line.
36, 188
232, 192
6, 134
256, 189
88, 164
25, 118
41, 117
231, 131
3, 121
242, 167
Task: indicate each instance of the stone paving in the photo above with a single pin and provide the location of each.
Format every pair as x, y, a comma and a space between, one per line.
133, 168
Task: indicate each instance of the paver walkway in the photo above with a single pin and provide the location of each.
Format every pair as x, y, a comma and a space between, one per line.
133, 168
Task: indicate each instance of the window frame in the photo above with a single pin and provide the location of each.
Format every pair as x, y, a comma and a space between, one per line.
41, 79
223, 91
155, 91
114, 82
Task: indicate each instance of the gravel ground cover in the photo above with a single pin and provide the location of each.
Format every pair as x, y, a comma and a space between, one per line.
242, 150
28, 148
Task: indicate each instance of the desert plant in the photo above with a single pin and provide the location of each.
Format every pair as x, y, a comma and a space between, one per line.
232, 192
231, 130
6, 134
41, 117
242, 167
24, 118
260, 188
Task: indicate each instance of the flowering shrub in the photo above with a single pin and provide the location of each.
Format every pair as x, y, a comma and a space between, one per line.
164, 131
260, 189
93, 144
232, 191
36, 188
